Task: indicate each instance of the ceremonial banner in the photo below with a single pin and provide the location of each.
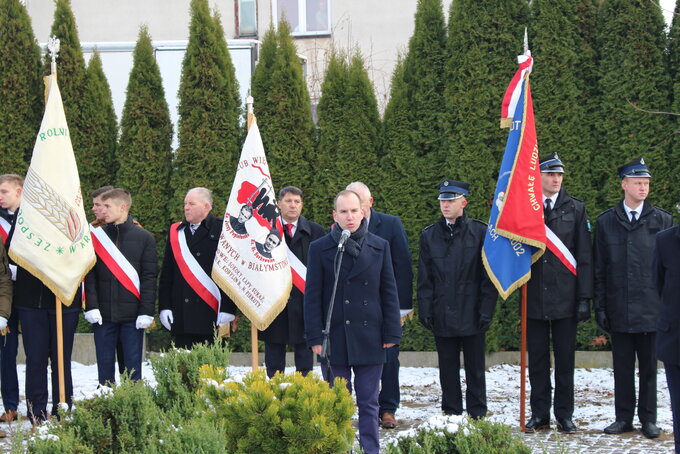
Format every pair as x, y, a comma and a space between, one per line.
52, 237
251, 264
516, 235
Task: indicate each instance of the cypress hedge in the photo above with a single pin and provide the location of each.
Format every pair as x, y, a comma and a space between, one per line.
21, 87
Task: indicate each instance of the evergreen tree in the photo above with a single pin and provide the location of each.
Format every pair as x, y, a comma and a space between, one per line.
484, 41
98, 164
145, 150
424, 80
632, 76
674, 69
283, 110
71, 75
560, 91
349, 131
21, 87
209, 110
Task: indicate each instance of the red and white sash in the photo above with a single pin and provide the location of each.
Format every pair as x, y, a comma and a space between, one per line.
4, 229
115, 261
558, 248
191, 270
298, 270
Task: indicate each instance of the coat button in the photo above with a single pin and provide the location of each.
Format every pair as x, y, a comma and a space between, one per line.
346, 322
365, 303
365, 282
198, 254
186, 300
348, 282
365, 323
346, 301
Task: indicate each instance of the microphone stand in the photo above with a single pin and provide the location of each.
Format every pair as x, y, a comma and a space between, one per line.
326, 345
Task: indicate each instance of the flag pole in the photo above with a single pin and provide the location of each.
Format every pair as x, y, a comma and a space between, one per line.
53, 47
254, 349
522, 360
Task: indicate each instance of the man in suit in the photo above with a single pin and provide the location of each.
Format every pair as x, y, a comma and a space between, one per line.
365, 314
390, 228
666, 272
190, 317
11, 187
558, 295
288, 326
626, 300
456, 299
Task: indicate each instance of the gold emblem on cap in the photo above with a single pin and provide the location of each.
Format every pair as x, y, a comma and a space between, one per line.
446, 183
642, 161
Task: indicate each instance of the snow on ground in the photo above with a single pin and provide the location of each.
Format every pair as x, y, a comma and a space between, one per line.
421, 393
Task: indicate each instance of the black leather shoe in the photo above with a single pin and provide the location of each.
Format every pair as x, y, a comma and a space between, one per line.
566, 426
650, 430
619, 427
536, 423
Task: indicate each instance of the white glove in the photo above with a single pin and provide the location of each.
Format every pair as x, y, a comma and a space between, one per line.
3, 322
94, 316
143, 321
13, 271
166, 318
224, 318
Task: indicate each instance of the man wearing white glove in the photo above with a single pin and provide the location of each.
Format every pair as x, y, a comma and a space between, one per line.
121, 288
190, 303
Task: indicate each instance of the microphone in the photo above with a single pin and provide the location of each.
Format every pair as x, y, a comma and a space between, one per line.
343, 238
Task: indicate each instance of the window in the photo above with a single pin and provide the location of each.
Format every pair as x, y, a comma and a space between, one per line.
247, 17
306, 17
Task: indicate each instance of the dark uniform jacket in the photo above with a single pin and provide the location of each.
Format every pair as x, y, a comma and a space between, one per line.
5, 276
624, 286
366, 309
553, 290
390, 228
454, 289
288, 327
667, 277
106, 293
191, 314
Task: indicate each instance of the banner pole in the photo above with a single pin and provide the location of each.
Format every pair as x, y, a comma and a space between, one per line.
60, 352
254, 359
522, 360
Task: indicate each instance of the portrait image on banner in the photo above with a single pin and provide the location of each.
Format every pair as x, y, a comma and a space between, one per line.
251, 264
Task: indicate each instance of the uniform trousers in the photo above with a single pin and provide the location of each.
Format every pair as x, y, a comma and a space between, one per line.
564, 345
389, 397
366, 387
275, 358
9, 380
448, 353
673, 379
39, 333
106, 337
625, 347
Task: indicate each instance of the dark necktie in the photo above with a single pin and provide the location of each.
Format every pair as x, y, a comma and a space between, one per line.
548, 209
633, 216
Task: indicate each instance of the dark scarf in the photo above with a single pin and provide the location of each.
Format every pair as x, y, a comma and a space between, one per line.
355, 240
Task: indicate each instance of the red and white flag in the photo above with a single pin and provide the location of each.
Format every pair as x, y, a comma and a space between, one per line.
252, 262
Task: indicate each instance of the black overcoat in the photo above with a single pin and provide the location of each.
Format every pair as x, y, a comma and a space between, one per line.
667, 278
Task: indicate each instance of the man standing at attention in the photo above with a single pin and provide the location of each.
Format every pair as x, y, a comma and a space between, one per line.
365, 315
121, 288
626, 300
558, 295
391, 229
456, 299
190, 303
11, 186
288, 327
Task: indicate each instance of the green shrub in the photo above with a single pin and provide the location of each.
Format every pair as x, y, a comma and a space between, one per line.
177, 375
457, 435
288, 413
64, 443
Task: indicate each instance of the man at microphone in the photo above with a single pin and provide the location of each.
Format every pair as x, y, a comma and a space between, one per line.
365, 310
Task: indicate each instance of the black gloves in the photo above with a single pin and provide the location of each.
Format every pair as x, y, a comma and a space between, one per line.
601, 320
427, 322
583, 311
484, 322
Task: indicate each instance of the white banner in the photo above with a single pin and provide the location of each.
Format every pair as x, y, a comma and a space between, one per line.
251, 264
52, 238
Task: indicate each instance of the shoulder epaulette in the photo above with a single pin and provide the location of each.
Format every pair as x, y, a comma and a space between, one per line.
605, 212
